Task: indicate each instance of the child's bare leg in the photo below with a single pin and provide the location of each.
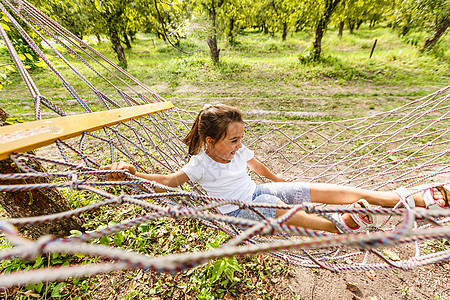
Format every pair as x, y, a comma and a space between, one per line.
339, 194
315, 222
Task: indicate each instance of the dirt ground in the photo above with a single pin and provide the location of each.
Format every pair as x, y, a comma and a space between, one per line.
429, 282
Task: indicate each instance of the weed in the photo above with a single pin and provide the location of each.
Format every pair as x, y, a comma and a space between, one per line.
405, 292
435, 245
215, 278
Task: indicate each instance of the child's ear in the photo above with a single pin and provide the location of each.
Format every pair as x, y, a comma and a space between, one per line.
209, 141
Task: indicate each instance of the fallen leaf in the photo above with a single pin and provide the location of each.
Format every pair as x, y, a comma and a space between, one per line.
228, 296
31, 293
352, 287
391, 254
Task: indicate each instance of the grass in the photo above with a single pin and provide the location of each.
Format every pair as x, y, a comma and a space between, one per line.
257, 72
261, 71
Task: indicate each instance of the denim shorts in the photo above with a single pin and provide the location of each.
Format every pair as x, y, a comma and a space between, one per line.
271, 193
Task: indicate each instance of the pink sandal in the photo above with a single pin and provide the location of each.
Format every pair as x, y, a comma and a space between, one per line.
362, 224
427, 193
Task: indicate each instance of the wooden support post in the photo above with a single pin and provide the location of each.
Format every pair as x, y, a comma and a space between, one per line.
373, 48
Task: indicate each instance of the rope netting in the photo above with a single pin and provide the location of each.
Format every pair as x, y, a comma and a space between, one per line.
383, 151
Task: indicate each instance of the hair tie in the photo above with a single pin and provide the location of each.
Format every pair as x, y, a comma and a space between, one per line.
206, 106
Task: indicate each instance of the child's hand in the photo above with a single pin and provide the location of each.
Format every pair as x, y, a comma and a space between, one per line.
280, 178
119, 166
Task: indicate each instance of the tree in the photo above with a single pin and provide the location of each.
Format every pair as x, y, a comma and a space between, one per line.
326, 10
111, 18
264, 19
233, 15
440, 27
70, 13
283, 12
432, 16
355, 12
212, 7
151, 19
25, 52
20, 204
438, 17
167, 19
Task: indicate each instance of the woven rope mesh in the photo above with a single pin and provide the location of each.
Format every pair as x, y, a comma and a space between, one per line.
383, 151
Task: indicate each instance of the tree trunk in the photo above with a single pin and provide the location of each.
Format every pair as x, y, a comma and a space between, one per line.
20, 204
284, 34
351, 26
127, 41
298, 26
341, 29
438, 32
212, 39
214, 51
132, 35
160, 35
359, 23
406, 27
230, 32
322, 26
117, 47
317, 45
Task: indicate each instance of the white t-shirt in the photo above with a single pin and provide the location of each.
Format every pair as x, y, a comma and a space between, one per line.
223, 180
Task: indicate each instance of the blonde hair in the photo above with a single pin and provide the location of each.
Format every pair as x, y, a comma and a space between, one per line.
211, 121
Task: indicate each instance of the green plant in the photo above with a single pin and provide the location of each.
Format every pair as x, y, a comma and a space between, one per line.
435, 245
25, 52
405, 292
215, 278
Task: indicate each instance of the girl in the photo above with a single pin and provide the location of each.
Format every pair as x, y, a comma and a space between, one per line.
219, 164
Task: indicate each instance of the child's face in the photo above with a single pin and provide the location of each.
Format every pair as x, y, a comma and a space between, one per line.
224, 150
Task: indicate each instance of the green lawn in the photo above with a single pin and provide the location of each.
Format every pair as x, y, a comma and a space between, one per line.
260, 71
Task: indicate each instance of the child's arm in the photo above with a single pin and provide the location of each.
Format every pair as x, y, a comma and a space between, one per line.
172, 180
257, 167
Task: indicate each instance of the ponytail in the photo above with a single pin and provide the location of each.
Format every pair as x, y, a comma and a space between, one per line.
211, 121
192, 139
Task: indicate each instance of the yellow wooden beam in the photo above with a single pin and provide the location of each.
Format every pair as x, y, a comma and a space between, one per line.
32, 135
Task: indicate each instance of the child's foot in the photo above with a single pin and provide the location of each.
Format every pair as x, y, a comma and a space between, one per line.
423, 196
347, 217
354, 222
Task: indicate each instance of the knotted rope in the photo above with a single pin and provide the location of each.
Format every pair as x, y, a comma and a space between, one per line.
401, 147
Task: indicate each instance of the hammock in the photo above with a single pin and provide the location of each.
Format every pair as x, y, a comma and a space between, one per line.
402, 147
